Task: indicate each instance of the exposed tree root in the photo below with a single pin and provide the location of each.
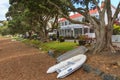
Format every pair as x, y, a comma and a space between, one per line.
98, 48
112, 49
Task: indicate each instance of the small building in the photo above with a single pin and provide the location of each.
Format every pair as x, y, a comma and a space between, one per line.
74, 30
68, 29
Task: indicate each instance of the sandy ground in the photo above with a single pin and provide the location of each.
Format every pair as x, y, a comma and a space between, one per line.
22, 62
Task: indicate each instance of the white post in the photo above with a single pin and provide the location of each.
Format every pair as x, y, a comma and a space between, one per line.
88, 30
82, 30
73, 32
64, 33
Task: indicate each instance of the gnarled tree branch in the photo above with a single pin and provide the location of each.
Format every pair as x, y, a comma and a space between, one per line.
116, 12
66, 16
98, 8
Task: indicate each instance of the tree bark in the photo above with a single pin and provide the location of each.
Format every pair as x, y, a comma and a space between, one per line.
100, 41
103, 40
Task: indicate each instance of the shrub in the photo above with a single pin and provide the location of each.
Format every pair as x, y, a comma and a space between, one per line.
54, 37
61, 38
82, 39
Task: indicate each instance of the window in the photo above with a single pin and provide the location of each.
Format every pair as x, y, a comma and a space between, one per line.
62, 23
78, 31
83, 19
91, 30
69, 22
85, 30
65, 22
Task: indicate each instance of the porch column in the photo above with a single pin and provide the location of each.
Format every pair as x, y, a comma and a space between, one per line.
73, 34
88, 30
64, 33
82, 30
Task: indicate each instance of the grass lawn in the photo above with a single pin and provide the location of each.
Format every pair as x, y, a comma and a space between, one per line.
56, 46
63, 46
59, 47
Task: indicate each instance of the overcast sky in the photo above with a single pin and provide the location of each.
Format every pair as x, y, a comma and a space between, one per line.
4, 4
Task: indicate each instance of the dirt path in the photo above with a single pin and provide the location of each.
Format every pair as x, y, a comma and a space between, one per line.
22, 62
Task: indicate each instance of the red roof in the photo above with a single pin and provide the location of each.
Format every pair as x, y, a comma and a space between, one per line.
93, 11
72, 17
75, 16
78, 15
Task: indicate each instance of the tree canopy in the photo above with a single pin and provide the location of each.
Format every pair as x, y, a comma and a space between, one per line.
31, 15
35, 14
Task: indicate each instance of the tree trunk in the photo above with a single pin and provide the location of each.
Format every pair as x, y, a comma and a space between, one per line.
100, 41
45, 33
103, 40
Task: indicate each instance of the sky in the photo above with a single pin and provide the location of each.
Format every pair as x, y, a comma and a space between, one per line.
4, 5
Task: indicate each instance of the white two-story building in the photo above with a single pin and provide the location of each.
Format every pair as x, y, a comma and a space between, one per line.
68, 29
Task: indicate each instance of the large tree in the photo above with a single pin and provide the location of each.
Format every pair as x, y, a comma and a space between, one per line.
46, 9
16, 16
102, 30
36, 14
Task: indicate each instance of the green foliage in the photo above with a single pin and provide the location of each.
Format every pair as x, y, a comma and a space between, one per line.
34, 43
4, 30
82, 37
61, 38
54, 36
30, 15
35, 14
56, 46
59, 47
116, 29
17, 24
17, 37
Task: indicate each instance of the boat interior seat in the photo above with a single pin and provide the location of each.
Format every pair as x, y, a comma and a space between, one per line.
65, 67
70, 63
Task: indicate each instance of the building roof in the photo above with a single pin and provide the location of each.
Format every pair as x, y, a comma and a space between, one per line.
79, 15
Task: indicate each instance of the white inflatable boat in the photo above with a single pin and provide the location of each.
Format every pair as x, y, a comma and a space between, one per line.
68, 66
